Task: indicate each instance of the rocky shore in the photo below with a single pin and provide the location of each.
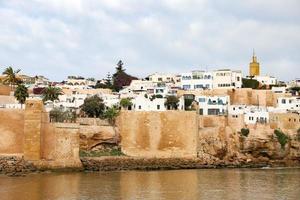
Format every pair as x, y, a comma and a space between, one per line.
129, 163
15, 166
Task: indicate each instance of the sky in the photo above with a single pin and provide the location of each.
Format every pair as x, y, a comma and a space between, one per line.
57, 38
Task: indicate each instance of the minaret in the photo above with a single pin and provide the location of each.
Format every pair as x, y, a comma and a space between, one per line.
254, 66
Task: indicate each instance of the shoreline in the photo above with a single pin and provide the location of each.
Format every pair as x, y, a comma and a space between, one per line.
16, 166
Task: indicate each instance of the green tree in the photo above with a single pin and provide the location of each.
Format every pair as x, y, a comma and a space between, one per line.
93, 106
125, 103
11, 76
250, 83
21, 93
110, 114
58, 115
51, 93
121, 78
172, 103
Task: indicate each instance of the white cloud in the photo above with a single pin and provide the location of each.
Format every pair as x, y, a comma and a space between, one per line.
87, 37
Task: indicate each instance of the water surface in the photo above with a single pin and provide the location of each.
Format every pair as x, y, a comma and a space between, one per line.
166, 185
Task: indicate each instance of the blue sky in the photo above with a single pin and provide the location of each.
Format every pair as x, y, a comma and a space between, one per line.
57, 38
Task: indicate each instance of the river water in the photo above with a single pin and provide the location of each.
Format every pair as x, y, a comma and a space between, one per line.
204, 184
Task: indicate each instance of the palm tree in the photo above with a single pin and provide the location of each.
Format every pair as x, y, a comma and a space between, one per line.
11, 76
110, 114
51, 93
21, 94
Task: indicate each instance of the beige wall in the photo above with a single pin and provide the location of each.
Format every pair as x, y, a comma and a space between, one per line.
159, 134
29, 133
285, 120
4, 90
11, 131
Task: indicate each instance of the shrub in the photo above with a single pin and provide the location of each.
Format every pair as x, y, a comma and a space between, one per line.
245, 132
281, 137
58, 115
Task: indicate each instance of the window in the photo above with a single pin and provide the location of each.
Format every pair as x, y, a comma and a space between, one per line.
283, 101
186, 87
201, 111
140, 107
159, 79
158, 107
290, 101
238, 78
202, 99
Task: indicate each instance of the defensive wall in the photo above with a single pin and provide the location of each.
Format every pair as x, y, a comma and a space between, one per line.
29, 134
159, 134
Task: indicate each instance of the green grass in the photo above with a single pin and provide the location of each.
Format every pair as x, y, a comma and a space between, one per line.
99, 153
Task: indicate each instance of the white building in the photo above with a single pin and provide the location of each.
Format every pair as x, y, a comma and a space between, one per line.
69, 101
266, 80
213, 105
279, 90
223, 78
145, 102
252, 114
226, 78
142, 103
295, 83
256, 115
159, 77
196, 80
79, 82
285, 104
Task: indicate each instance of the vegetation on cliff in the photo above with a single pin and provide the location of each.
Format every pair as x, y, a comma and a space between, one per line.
281, 137
245, 132
99, 153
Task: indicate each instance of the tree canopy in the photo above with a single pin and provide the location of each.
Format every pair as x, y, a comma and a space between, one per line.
172, 102
11, 76
51, 93
121, 78
125, 103
21, 93
93, 106
250, 83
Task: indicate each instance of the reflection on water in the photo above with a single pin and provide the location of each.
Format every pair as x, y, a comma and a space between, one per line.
182, 184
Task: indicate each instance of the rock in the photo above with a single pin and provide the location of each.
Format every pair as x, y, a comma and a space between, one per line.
15, 166
91, 137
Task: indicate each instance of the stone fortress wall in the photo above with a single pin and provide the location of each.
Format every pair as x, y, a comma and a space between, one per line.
169, 134
28, 133
159, 134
